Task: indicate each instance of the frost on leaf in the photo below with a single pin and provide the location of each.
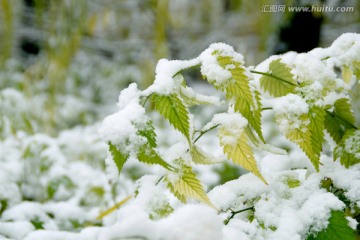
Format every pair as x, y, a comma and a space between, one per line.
349, 149
340, 119
241, 153
118, 157
233, 79
279, 81
185, 185
301, 125
235, 142
173, 109
338, 228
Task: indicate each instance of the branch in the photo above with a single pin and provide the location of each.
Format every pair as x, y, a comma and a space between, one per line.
233, 213
273, 76
203, 132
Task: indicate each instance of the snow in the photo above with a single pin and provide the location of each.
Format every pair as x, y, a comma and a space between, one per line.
290, 212
166, 70
352, 144
121, 128
232, 123
192, 222
16, 230
346, 48
288, 111
210, 67
310, 68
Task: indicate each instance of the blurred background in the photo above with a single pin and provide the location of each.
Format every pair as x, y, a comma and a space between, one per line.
81, 53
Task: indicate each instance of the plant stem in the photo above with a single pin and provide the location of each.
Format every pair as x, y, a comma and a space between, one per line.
113, 208
147, 99
273, 76
203, 132
233, 213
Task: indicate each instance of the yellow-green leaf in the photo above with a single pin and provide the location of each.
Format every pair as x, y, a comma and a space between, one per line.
317, 125
150, 156
201, 157
173, 109
302, 137
187, 186
118, 157
333, 127
240, 152
344, 113
247, 103
279, 81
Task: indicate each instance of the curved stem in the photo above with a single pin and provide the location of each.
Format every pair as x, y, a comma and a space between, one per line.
233, 213
273, 76
147, 99
203, 132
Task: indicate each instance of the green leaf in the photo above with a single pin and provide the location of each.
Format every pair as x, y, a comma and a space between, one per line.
343, 112
240, 152
149, 133
316, 126
187, 186
173, 109
118, 157
279, 81
302, 136
349, 149
338, 229
201, 157
333, 127
341, 119
356, 69
150, 156
247, 103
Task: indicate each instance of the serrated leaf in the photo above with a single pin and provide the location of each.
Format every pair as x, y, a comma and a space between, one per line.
343, 112
337, 229
279, 81
240, 152
188, 186
118, 157
148, 155
173, 109
316, 126
302, 137
201, 157
349, 149
333, 127
247, 103
149, 133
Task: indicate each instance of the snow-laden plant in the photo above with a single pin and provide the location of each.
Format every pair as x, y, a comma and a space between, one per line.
309, 95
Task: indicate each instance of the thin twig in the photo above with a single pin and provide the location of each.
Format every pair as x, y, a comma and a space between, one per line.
203, 132
273, 76
233, 213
